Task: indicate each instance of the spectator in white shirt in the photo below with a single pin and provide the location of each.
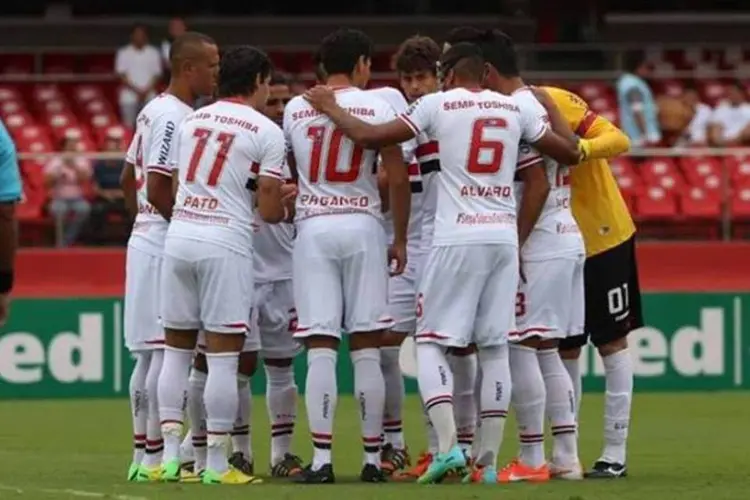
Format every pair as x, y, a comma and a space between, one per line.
696, 133
730, 121
176, 28
139, 67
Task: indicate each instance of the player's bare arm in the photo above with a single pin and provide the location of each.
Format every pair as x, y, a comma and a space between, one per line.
399, 193
385, 200
535, 191
557, 121
603, 140
160, 193
269, 198
558, 147
365, 134
127, 183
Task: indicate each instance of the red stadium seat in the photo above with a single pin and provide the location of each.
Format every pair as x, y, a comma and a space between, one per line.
18, 120
656, 204
592, 90
701, 204
86, 92
739, 207
9, 93
58, 63
98, 63
15, 64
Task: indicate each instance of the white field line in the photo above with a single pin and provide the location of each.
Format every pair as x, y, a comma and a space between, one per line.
69, 492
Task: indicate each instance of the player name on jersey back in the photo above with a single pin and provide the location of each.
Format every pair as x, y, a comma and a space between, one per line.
556, 233
223, 149
478, 133
152, 151
336, 176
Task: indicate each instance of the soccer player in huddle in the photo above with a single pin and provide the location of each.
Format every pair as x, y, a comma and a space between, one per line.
340, 263
230, 158
611, 291
147, 183
475, 223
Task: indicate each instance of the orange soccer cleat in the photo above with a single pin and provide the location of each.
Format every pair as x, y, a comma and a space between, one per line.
517, 471
411, 474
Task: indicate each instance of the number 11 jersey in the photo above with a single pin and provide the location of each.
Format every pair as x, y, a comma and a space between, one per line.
223, 148
336, 176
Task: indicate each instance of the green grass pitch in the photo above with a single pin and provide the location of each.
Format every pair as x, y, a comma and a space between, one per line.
686, 446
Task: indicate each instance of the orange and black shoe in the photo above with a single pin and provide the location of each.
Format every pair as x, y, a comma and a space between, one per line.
517, 471
393, 460
289, 466
412, 473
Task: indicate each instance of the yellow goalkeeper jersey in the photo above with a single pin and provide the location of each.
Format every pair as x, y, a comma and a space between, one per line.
598, 206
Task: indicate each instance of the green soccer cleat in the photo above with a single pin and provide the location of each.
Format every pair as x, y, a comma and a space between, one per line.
132, 471
170, 471
442, 464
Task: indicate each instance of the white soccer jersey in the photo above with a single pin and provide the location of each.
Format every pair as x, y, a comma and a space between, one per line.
223, 148
151, 152
556, 233
428, 158
272, 246
399, 106
335, 176
478, 132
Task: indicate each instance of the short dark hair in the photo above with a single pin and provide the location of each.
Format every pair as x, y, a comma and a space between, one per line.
280, 78
186, 46
418, 53
240, 69
341, 50
632, 60
463, 34
465, 59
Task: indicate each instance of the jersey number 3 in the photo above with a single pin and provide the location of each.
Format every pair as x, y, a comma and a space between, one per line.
476, 163
202, 136
320, 135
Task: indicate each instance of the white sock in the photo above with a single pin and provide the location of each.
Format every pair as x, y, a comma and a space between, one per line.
139, 403
618, 372
222, 401
241, 437
369, 390
561, 410
495, 398
196, 410
528, 400
432, 437
475, 446
436, 387
573, 368
154, 440
187, 450
394, 397
172, 395
321, 396
464, 370
281, 402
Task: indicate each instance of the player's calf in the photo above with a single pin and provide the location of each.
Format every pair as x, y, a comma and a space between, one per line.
242, 453
463, 363
139, 409
281, 403
394, 455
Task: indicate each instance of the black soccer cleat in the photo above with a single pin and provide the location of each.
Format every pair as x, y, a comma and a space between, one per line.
290, 466
242, 464
607, 470
372, 474
324, 475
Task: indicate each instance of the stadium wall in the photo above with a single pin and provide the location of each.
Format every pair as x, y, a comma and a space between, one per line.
65, 335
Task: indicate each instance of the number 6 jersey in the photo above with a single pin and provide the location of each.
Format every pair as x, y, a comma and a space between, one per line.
336, 176
478, 133
223, 148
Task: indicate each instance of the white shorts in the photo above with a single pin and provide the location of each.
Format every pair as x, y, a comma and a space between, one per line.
550, 304
467, 295
205, 287
276, 319
340, 275
141, 324
402, 302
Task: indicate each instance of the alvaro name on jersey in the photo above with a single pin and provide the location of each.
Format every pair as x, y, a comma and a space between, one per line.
478, 132
152, 151
336, 176
223, 148
556, 232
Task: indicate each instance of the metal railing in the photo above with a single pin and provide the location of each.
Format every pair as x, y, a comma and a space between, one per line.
725, 225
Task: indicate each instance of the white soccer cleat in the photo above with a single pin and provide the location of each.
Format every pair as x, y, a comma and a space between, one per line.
572, 473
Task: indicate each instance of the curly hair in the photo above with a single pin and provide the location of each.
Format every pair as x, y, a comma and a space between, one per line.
416, 54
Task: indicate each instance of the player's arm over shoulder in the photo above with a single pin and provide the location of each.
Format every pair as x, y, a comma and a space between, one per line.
270, 175
600, 138
536, 131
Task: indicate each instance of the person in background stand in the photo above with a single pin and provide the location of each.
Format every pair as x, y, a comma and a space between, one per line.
175, 28
10, 194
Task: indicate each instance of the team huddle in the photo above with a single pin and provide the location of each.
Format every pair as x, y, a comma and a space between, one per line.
450, 215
